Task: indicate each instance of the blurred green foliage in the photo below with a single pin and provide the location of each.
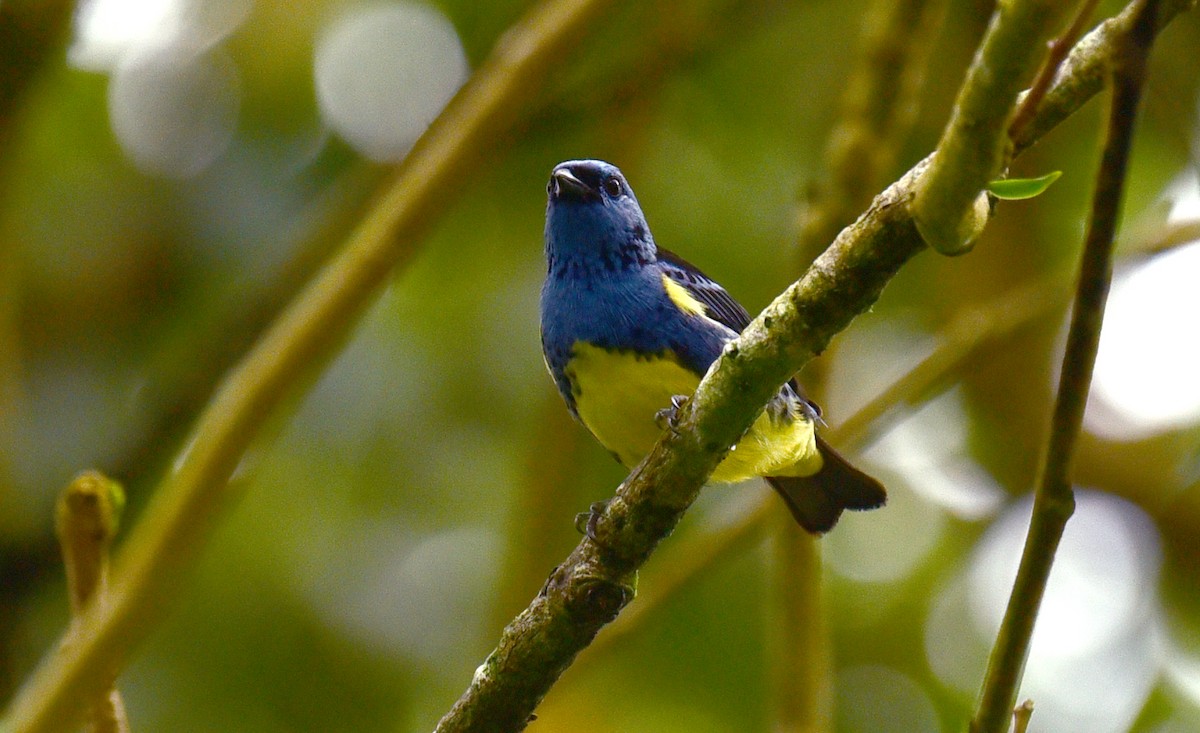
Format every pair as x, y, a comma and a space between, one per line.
416, 497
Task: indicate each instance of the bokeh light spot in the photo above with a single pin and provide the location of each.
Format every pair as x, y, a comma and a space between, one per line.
875, 699
929, 451
384, 73
1145, 377
885, 546
421, 601
1096, 649
174, 111
105, 30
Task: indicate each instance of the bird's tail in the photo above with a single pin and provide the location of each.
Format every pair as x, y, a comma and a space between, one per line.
817, 501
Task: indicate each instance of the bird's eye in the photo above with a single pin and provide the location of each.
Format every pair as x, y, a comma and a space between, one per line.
613, 187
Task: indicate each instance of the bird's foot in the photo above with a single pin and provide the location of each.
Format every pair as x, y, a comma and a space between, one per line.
780, 409
668, 417
585, 522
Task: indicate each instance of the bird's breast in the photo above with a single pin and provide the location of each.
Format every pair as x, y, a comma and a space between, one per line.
618, 392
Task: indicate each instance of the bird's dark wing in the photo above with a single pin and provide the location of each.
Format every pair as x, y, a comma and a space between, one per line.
718, 304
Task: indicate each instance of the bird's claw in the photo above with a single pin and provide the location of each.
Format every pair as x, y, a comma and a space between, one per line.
585, 522
779, 409
668, 417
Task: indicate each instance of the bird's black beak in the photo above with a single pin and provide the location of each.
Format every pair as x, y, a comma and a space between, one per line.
565, 184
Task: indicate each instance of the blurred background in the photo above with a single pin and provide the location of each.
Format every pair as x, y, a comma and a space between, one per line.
172, 170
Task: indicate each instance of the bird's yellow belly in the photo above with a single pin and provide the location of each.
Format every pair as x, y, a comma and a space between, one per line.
618, 393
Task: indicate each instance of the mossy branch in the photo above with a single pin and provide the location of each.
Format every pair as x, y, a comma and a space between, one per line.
597, 579
968, 334
1087, 70
190, 501
1054, 499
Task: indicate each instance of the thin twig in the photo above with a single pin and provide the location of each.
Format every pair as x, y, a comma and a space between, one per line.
1059, 48
191, 500
1054, 500
86, 521
1086, 70
1021, 716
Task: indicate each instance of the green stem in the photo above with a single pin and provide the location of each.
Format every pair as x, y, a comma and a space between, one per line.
803, 665
86, 520
187, 505
1054, 499
1045, 76
950, 207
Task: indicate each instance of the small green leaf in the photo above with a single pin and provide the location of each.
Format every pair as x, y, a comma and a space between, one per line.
1019, 189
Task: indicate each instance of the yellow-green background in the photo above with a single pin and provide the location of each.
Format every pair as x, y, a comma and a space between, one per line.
373, 561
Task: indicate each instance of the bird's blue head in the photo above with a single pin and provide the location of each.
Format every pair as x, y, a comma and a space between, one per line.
593, 221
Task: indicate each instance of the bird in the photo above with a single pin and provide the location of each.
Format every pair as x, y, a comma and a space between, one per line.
628, 330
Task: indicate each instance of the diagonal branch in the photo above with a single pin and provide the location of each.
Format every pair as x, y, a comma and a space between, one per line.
1086, 71
596, 581
969, 333
1059, 48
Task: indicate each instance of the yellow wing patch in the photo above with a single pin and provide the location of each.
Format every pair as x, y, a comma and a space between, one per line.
617, 394
682, 299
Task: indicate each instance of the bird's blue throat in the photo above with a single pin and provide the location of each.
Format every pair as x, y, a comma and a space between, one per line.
581, 246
